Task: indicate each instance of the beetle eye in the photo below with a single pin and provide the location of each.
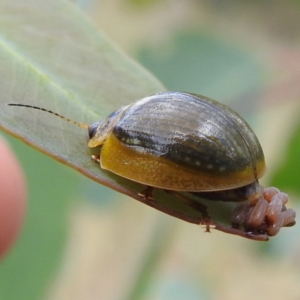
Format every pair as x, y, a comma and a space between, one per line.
93, 129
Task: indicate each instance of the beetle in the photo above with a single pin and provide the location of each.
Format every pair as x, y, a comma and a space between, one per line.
185, 143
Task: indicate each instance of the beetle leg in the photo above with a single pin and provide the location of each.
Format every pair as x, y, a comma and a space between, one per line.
96, 158
206, 220
147, 194
208, 223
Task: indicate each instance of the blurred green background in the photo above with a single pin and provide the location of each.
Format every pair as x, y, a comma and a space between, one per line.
84, 241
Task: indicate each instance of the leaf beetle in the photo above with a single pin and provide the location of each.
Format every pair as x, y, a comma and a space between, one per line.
184, 144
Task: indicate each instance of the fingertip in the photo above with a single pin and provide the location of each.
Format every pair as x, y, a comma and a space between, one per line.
12, 198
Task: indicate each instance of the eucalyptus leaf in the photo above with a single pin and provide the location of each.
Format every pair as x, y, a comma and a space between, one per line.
51, 56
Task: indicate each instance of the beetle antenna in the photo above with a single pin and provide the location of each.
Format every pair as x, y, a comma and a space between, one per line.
50, 112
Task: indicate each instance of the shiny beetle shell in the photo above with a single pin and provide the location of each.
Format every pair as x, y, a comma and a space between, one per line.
181, 142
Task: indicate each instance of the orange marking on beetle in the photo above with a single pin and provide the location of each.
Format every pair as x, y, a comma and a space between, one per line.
162, 173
